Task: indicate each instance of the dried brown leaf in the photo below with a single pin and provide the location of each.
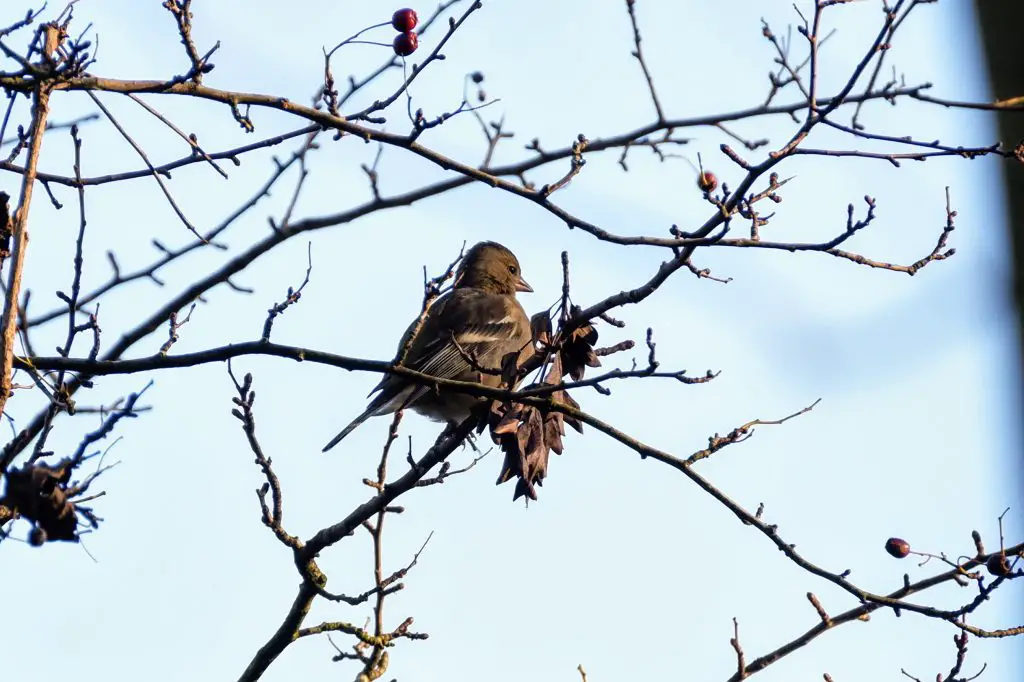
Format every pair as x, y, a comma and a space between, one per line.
540, 325
37, 492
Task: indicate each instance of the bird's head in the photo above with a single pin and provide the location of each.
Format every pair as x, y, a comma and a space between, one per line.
491, 267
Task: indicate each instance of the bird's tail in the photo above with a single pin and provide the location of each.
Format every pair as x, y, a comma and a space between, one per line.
387, 402
351, 427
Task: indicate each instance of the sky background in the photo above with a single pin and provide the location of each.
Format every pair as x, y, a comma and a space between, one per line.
623, 565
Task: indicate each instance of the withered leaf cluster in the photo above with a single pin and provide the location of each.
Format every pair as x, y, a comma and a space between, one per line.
527, 434
39, 493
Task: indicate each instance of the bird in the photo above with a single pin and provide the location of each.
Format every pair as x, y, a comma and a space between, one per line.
479, 320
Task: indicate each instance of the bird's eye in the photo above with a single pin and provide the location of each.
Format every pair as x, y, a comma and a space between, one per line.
513, 269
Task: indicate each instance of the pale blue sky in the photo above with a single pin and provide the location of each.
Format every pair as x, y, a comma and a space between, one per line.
623, 566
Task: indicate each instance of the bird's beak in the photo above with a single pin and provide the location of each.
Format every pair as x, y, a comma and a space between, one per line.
521, 285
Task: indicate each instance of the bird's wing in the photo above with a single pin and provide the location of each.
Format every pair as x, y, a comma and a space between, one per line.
413, 339
467, 323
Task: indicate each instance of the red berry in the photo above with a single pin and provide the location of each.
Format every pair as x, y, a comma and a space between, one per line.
998, 565
405, 43
404, 20
37, 537
897, 547
707, 181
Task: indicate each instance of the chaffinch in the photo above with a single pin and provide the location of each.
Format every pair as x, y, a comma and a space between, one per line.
479, 320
